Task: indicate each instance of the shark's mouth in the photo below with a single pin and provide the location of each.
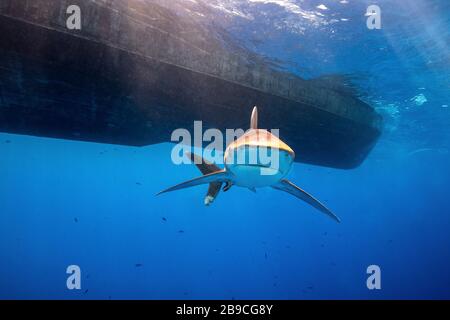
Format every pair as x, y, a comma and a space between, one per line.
256, 165
264, 169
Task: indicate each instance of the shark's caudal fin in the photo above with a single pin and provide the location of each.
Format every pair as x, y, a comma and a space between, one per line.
203, 165
206, 167
254, 118
289, 187
214, 177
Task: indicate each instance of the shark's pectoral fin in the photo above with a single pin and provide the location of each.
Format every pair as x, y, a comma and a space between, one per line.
219, 176
289, 187
252, 189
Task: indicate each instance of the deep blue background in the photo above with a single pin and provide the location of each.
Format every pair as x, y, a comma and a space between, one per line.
65, 202
394, 214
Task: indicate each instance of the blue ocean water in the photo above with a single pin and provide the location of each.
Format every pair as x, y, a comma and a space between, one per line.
93, 205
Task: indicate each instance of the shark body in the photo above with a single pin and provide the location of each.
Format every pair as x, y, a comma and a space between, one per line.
251, 174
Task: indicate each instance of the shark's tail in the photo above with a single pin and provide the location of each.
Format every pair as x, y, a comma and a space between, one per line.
207, 167
212, 175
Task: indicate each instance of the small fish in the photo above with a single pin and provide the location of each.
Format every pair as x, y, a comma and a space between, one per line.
310, 288
164, 219
138, 184
76, 220
265, 255
7, 141
86, 291
180, 231
137, 265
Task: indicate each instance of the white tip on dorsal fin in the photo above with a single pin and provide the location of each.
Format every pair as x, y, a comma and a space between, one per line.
254, 118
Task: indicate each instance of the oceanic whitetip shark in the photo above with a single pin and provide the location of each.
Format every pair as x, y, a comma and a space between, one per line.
249, 174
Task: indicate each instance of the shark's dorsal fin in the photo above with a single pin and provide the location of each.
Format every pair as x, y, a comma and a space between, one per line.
254, 118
